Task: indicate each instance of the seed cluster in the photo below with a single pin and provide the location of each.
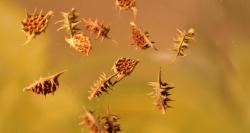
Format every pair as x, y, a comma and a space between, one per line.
45, 86
35, 24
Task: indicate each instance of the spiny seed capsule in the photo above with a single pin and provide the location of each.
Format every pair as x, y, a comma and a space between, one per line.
96, 28
45, 85
161, 94
140, 38
182, 41
127, 5
35, 24
80, 43
125, 66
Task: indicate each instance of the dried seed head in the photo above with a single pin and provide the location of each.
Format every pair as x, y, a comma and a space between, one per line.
182, 41
97, 28
80, 43
141, 39
35, 24
70, 22
161, 94
92, 123
111, 124
124, 66
102, 85
127, 5
45, 86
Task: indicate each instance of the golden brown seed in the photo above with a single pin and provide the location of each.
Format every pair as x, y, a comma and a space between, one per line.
96, 28
141, 39
182, 41
127, 5
80, 43
44, 86
35, 24
125, 66
161, 94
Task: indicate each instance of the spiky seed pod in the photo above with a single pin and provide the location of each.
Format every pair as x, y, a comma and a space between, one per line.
124, 66
96, 28
45, 85
80, 43
127, 5
111, 124
102, 85
182, 41
161, 94
92, 123
34, 24
70, 22
140, 38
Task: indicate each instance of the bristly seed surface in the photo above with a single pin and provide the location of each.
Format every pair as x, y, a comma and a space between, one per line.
34, 24
44, 86
161, 94
140, 38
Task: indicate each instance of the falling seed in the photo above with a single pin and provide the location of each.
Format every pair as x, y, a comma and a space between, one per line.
182, 41
44, 86
96, 28
35, 24
127, 5
80, 43
125, 66
140, 38
70, 22
161, 94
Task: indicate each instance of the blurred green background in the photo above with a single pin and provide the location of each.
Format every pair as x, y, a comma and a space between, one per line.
212, 83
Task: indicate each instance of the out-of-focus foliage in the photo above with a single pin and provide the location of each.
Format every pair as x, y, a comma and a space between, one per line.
212, 83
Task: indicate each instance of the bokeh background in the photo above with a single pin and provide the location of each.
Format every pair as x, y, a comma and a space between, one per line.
212, 83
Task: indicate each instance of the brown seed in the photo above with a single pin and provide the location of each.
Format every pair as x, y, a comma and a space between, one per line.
96, 28
161, 94
35, 24
182, 41
127, 5
44, 86
125, 66
141, 39
80, 43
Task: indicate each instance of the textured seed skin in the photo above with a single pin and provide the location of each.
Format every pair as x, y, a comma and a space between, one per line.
35, 24
80, 43
45, 86
125, 66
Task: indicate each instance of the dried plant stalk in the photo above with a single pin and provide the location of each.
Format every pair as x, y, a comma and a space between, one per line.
161, 94
45, 85
70, 22
96, 28
124, 66
80, 43
34, 24
127, 5
111, 124
92, 123
182, 41
140, 38
102, 85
